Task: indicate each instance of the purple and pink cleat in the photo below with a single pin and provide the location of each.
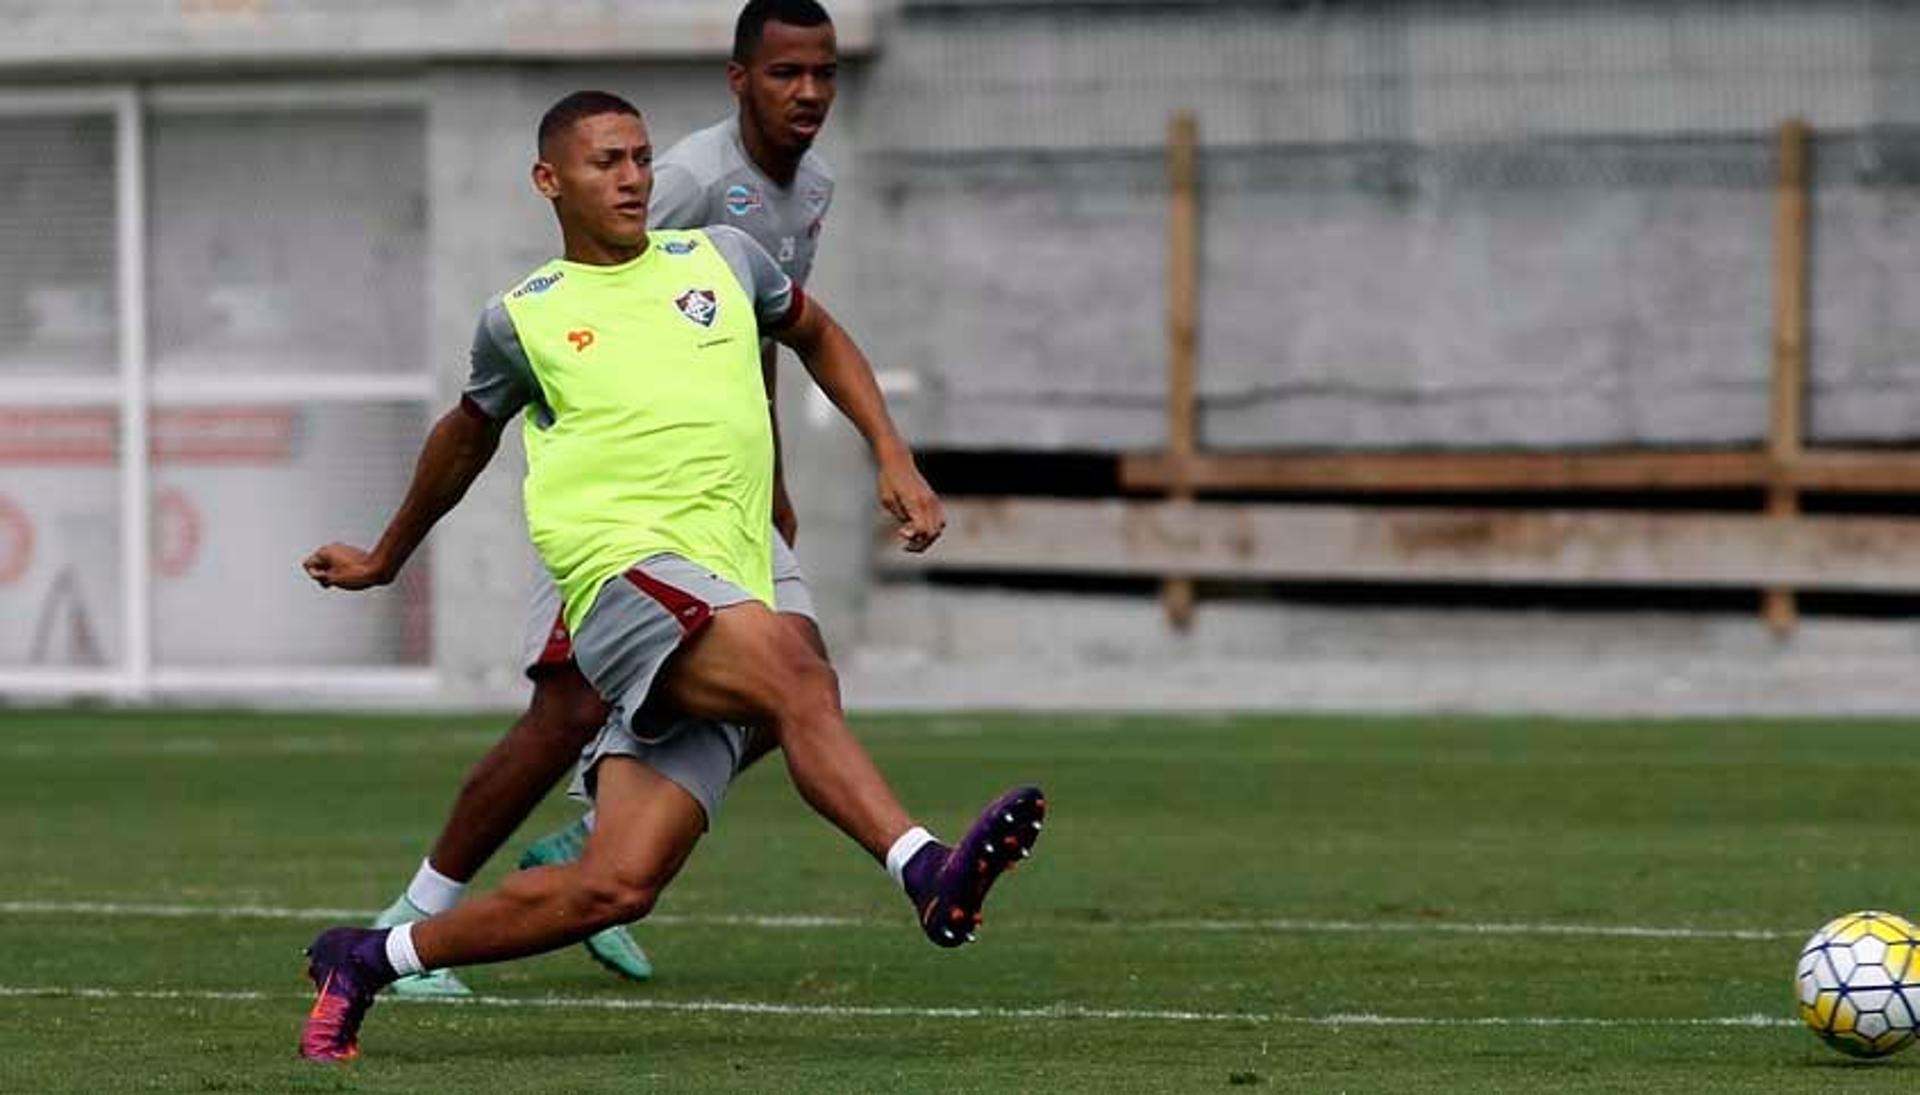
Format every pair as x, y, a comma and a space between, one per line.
949, 885
349, 968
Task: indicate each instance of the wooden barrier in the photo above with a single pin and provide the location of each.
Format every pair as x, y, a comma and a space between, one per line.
1424, 545
1843, 471
1777, 550
1175, 538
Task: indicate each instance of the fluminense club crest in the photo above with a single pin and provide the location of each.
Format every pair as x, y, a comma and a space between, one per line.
698, 305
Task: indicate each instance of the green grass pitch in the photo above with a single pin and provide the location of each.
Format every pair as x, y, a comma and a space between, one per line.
1280, 904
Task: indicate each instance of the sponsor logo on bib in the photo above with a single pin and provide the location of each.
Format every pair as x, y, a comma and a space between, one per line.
540, 284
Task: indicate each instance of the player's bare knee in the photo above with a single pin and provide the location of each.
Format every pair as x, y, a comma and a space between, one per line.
610, 898
812, 706
631, 903
809, 689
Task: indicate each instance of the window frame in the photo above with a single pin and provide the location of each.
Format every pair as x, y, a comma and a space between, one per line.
135, 391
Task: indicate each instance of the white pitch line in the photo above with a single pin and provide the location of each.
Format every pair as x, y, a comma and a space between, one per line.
270, 912
802, 923
839, 1011
266, 745
1449, 927
176, 912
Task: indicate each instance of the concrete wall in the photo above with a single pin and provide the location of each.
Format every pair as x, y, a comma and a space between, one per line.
88, 35
1424, 224
945, 649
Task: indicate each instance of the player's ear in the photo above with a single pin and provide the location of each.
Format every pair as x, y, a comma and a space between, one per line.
545, 180
736, 78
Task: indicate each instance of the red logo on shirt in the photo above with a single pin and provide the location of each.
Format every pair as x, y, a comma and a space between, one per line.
581, 338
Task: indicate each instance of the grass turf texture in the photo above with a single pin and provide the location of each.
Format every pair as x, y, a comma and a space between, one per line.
1171, 842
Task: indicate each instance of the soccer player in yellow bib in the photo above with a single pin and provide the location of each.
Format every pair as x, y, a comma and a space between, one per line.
754, 170
650, 460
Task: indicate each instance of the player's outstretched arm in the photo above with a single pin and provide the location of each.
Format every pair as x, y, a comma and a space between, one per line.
455, 452
842, 371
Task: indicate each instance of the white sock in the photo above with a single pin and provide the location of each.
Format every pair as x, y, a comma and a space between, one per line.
905, 849
432, 892
400, 953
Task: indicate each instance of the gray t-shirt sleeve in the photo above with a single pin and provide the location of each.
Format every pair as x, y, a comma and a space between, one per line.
500, 380
773, 292
678, 201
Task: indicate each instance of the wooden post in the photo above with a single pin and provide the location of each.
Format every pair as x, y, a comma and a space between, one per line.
1183, 277
1785, 437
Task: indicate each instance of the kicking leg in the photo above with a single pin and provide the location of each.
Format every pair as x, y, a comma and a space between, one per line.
751, 666
748, 665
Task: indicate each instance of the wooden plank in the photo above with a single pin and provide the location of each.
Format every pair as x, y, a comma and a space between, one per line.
1445, 471
1784, 438
1865, 471
1862, 471
1183, 288
1417, 544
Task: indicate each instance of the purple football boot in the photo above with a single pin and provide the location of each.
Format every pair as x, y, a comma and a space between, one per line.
950, 885
349, 967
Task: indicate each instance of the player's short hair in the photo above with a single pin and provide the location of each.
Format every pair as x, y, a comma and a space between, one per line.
752, 24
572, 108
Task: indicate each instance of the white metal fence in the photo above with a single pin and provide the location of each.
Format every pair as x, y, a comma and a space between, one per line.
212, 328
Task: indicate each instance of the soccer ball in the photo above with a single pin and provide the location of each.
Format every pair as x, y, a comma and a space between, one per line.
1859, 983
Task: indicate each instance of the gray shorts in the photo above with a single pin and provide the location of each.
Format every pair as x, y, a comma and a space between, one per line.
700, 756
637, 622
546, 643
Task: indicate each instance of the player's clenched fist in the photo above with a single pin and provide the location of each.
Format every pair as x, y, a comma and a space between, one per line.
343, 566
906, 495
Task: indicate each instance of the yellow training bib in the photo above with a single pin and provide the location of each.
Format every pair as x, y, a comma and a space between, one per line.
660, 439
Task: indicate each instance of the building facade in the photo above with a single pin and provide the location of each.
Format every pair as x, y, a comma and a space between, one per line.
246, 241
